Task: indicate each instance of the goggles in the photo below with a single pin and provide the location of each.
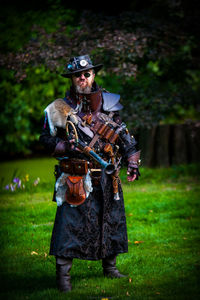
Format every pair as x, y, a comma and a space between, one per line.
86, 74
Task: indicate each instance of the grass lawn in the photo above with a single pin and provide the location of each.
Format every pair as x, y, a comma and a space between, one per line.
163, 220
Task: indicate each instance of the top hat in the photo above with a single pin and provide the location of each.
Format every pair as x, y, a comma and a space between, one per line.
79, 64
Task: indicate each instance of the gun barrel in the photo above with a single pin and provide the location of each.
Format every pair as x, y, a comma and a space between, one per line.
109, 168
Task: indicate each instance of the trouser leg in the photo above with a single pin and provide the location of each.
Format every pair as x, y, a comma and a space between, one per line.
109, 267
63, 267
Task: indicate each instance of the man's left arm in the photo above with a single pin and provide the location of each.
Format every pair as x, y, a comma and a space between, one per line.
129, 151
132, 156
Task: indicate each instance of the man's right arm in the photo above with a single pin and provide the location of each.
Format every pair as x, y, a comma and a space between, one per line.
50, 142
56, 145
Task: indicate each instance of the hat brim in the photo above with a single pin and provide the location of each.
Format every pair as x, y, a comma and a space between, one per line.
96, 69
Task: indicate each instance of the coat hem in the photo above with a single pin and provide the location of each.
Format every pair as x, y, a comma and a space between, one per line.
82, 257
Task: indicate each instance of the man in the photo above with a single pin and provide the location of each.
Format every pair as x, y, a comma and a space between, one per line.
90, 222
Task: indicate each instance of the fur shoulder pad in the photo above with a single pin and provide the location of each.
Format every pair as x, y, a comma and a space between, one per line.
111, 102
57, 113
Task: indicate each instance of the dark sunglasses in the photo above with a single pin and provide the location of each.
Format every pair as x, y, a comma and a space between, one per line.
87, 74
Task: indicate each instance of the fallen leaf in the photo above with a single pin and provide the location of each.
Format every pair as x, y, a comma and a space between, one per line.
138, 242
34, 253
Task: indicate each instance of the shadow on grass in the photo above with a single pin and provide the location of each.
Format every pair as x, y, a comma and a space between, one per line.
22, 282
84, 285
39, 278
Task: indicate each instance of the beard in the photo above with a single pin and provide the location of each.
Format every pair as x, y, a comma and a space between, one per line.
81, 90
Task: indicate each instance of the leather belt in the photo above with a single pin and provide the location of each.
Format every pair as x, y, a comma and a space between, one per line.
78, 166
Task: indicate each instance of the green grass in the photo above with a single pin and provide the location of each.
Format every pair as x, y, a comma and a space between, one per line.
163, 215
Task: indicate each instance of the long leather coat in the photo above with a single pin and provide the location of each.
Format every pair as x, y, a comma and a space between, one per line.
97, 228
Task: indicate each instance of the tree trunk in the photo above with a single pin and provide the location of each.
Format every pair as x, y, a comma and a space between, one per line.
165, 145
147, 146
179, 145
162, 146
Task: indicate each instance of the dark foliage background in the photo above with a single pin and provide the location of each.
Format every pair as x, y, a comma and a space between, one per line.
150, 52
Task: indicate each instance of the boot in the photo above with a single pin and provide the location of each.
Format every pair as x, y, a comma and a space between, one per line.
109, 267
63, 267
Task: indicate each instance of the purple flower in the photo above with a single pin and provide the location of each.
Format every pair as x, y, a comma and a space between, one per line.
12, 187
16, 180
36, 181
7, 187
19, 184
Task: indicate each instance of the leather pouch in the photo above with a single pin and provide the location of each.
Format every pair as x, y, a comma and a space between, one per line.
75, 194
80, 167
75, 167
66, 166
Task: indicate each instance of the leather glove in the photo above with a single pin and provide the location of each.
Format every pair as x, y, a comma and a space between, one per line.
63, 147
133, 171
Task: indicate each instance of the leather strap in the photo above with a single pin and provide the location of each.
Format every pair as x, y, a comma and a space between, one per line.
94, 140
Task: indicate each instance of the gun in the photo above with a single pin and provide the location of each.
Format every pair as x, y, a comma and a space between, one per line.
108, 167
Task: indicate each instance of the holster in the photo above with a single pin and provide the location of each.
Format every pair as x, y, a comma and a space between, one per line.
96, 177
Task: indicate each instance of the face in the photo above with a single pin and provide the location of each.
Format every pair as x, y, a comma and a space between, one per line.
83, 81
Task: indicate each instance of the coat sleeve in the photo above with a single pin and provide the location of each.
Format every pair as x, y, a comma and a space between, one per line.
127, 142
47, 140
128, 145
56, 145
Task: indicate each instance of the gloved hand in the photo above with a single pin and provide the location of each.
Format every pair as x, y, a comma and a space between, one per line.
133, 171
65, 146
